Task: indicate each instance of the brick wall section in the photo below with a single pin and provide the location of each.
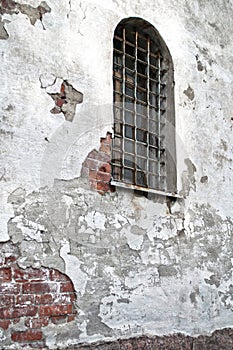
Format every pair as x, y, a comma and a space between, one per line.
97, 168
219, 340
36, 296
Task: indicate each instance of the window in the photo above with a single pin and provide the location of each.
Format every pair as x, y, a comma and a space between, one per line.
143, 150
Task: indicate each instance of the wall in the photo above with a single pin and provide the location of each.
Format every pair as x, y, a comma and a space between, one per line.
134, 265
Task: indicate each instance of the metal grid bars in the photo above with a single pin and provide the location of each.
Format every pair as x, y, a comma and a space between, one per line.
138, 155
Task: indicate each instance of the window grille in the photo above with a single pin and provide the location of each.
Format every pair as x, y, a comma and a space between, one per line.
140, 78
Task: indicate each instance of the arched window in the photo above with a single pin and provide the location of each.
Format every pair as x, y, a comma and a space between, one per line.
143, 149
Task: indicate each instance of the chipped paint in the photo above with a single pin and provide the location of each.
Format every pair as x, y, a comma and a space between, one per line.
139, 264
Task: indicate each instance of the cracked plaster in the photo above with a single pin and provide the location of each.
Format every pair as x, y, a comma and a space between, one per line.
138, 266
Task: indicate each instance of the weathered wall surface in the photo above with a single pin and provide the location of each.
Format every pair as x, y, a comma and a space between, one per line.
136, 265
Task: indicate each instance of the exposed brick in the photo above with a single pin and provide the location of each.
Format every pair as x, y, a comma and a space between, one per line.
29, 274
59, 319
102, 186
39, 287
70, 318
30, 335
56, 275
37, 322
66, 287
55, 310
105, 168
44, 299
25, 300
5, 274
15, 312
106, 177
10, 259
4, 324
6, 300
10, 288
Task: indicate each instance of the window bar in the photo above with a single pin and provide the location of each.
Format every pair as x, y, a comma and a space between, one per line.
135, 107
148, 110
123, 109
159, 120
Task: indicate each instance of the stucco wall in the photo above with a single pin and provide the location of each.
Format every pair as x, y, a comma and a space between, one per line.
137, 265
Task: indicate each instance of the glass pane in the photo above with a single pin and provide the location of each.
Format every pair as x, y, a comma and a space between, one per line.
142, 42
141, 149
152, 125
142, 56
129, 146
130, 36
118, 113
141, 109
129, 117
117, 173
129, 76
118, 97
129, 175
141, 179
141, 135
117, 44
129, 90
153, 167
142, 81
141, 164
129, 131
153, 113
153, 140
153, 73
154, 87
117, 142
154, 60
130, 62
141, 122
130, 50
117, 157
153, 152
141, 95
129, 161
142, 67
153, 181
118, 129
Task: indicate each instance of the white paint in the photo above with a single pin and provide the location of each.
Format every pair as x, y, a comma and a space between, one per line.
77, 276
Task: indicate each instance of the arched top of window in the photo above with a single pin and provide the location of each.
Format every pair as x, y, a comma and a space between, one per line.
143, 152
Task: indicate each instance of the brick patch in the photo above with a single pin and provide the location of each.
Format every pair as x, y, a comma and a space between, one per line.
41, 296
97, 167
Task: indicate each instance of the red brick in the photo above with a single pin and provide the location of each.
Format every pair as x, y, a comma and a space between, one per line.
37, 322
60, 102
15, 312
66, 287
58, 319
56, 275
44, 299
92, 174
10, 288
4, 324
6, 300
39, 287
10, 259
30, 274
70, 318
5, 274
102, 186
30, 335
105, 168
25, 300
105, 148
55, 310
106, 177
92, 164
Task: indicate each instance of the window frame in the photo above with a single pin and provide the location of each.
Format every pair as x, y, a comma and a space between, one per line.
145, 32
